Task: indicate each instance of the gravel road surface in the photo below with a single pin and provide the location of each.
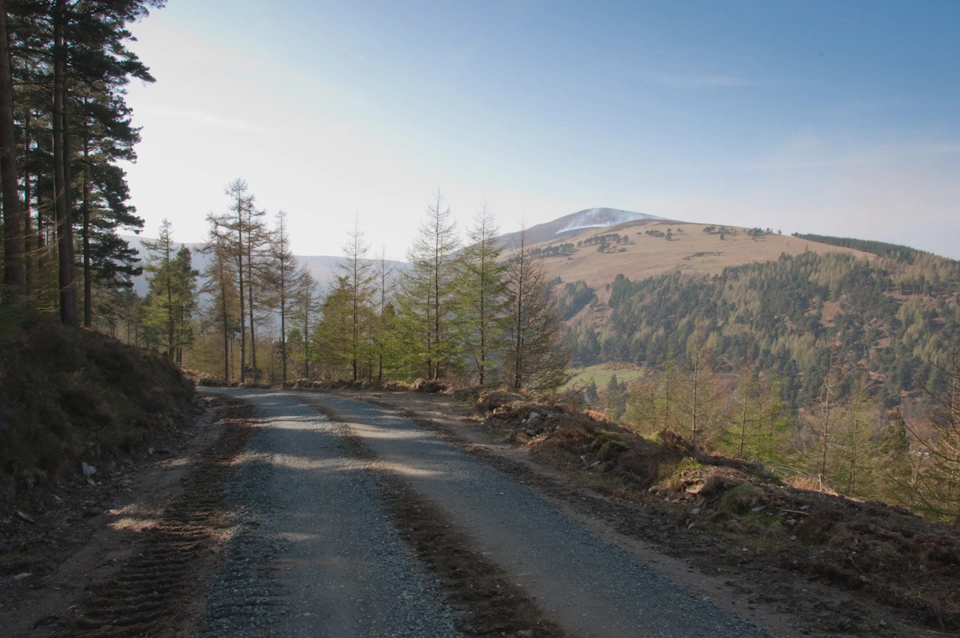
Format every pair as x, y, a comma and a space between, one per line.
317, 551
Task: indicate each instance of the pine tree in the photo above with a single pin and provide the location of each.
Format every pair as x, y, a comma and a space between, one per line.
858, 444
898, 464
105, 136
652, 403
61, 172
71, 65
221, 283
937, 491
357, 272
428, 301
384, 324
332, 333
615, 396
742, 421
306, 313
536, 356
282, 279
245, 238
172, 295
825, 414
483, 294
701, 397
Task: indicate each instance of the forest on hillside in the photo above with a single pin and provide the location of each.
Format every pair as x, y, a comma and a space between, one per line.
799, 317
841, 369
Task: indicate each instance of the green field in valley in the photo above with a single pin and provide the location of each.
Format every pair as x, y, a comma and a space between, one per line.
601, 374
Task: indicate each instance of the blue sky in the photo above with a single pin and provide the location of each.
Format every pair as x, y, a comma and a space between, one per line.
827, 117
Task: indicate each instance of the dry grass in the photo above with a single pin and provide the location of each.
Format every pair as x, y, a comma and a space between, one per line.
691, 251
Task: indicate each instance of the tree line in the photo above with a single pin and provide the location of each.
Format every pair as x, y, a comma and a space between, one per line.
476, 313
64, 128
883, 249
471, 311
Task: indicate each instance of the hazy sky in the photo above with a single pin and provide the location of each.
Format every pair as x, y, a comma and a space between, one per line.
839, 118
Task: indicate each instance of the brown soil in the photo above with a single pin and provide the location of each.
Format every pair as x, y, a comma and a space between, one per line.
799, 562
130, 556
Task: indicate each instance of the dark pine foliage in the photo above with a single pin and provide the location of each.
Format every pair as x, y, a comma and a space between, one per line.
880, 248
888, 318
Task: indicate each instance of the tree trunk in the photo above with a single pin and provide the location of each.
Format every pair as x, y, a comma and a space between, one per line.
13, 273
243, 327
253, 337
283, 322
825, 433
306, 339
436, 310
87, 270
743, 426
519, 353
28, 250
68, 286
225, 315
283, 345
355, 350
171, 317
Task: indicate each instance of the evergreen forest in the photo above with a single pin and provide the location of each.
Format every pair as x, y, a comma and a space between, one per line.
835, 367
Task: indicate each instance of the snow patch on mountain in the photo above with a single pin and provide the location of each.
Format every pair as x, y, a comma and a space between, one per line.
601, 218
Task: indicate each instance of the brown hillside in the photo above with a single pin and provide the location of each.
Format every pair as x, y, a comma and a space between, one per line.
689, 250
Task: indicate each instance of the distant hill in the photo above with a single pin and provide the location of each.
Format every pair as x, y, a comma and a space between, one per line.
787, 304
322, 267
635, 291
648, 247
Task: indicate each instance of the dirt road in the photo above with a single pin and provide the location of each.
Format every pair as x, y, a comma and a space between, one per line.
353, 521
364, 513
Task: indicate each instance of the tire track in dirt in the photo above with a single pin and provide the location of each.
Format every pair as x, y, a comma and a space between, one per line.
490, 602
155, 592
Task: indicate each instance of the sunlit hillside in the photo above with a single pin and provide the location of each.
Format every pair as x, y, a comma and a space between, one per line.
643, 249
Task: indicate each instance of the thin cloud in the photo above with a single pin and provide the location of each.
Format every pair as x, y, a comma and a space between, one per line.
232, 124
942, 148
681, 81
811, 152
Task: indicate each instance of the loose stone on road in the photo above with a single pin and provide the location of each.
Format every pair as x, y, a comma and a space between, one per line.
363, 524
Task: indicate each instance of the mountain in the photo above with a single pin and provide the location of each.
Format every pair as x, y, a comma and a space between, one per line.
636, 292
797, 308
647, 247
